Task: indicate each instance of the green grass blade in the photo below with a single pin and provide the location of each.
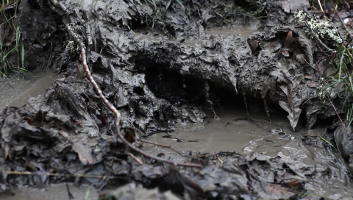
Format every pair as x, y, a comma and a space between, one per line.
180, 3
87, 194
23, 56
327, 142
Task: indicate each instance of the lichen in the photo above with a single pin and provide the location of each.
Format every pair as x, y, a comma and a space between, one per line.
322, 28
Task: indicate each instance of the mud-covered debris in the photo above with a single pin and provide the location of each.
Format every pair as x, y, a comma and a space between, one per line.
294, 99
133, 191
84, 153
3, 177
343, 140
179, 184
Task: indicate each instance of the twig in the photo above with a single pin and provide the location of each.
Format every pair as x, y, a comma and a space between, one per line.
199, 12
136, 159
67, 175
7, 20
344, 25
110, 106
165, 146
320, 5
221, 16
339, 117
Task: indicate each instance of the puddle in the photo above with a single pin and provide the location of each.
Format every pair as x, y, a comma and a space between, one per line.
242, 136
53, 192
245, 31
17, 89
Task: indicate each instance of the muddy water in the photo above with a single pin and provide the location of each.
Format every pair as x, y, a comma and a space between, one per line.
245, 30
231, 132
17, 89
246, 137
54, 192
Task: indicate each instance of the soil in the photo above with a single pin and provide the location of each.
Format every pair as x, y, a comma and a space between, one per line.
233, 85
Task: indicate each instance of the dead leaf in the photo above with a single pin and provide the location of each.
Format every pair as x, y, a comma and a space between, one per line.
289, 39
84, 153
285, 52
313, 84
277, 190
308, 77
253, 44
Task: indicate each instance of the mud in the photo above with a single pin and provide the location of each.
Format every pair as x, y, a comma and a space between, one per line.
54, 192
17, 89
234, 130
197, 69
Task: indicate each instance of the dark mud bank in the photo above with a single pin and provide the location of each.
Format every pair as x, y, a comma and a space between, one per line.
160, 63
141, 58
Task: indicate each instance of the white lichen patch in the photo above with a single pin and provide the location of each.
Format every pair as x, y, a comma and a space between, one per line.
323, 28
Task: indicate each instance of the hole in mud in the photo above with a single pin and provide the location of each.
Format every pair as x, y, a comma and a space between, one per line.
139, 91
226, 98
222, 97
139, 26
171, 30
172, 86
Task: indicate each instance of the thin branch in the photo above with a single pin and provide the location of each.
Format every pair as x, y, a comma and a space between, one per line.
136, 159
344, 25
165, 146
221, 16
339, 117
7, 20
320, 6
67, 175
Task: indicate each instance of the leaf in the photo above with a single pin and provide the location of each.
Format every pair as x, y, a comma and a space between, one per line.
277, 191
289, 39
113, 12
285, 52
291, 90
84, 153
313, 84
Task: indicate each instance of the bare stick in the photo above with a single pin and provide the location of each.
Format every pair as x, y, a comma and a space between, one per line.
221, 16
67, 175
136, 159
344, 25
166, 146
339, 117
110, 106
7, 20
320, 5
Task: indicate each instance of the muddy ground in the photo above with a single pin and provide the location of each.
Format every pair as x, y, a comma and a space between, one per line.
234, 85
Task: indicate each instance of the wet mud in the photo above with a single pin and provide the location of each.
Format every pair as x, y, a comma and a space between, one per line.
233, 130
235, 90
54, 192
17, 89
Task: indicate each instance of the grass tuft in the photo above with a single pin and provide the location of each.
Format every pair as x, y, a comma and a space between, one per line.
8, 50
